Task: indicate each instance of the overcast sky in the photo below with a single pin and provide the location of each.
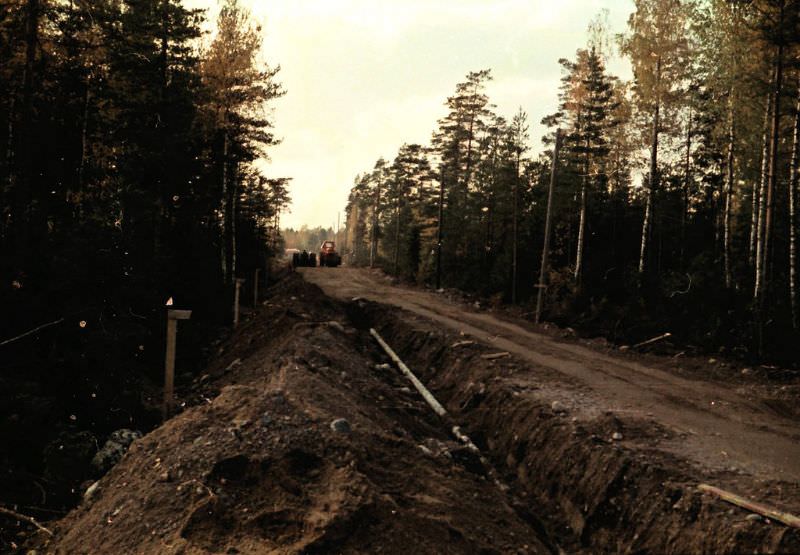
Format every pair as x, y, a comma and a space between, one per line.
365, 76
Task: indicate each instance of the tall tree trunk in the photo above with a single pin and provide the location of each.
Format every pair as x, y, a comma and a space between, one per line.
651, 188
9, 155
232, 219
686, 185
762, 250
793, 179
582, 223
439, 224
547, 223
224, 211
514, 239
87, 95
374, 235
23, 181
160, 216
397, 238
729, 192
760, 188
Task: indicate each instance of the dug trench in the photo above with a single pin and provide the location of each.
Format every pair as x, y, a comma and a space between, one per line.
598, 479
300, 437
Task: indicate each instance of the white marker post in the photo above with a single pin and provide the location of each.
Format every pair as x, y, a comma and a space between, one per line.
239, 282
255, 288
173, 316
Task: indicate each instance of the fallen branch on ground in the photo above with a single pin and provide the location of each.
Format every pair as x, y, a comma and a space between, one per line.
492, 356
787, 518
649, 341
461, 344
34, 330
25, 518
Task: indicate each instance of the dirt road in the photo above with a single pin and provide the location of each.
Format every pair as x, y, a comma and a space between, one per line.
715, 427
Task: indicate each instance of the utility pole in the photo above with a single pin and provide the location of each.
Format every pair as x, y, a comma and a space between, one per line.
547, 223
514, 248
439, 234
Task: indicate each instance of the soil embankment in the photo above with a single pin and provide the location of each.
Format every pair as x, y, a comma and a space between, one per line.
298, 440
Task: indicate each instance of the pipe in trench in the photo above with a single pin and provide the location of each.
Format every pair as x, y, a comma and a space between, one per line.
427, 395
437, 407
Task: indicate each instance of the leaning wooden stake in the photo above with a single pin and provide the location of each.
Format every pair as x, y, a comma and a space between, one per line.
239, 282
173, 316
774, 514
547, 224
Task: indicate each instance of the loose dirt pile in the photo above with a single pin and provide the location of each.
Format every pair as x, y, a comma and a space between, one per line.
298, 439
602, 481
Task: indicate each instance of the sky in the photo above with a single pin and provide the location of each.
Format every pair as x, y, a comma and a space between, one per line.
365, 76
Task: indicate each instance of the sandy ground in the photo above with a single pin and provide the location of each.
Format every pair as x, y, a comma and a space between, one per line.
716, 427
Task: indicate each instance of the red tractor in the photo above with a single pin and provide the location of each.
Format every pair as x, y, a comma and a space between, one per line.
328, 255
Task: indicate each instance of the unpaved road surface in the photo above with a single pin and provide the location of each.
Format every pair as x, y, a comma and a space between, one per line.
715, 428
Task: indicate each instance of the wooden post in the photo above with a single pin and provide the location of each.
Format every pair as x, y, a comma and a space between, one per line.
173, 316
255, 288
547, 223
239, 282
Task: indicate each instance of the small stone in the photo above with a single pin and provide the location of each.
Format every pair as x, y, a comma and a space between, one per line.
164, 476
753, 517
624, 347
616, 436
746, 371
558, 406
425, 450
336, 325
91, 491
233, 364
341, 425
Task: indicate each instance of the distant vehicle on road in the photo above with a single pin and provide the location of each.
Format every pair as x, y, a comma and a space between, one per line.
328, 255
303, 259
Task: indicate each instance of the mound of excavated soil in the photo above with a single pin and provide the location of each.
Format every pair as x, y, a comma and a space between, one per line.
294, 441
